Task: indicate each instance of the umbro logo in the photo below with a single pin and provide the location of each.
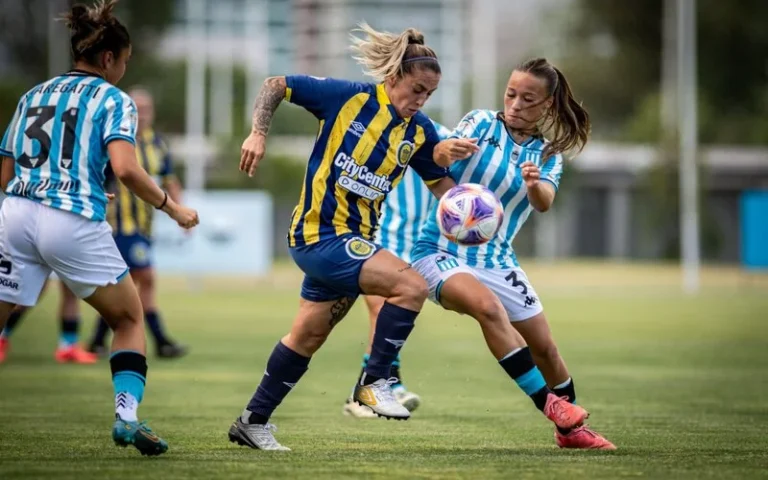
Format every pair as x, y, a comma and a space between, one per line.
289, 385
356, 129
397, 343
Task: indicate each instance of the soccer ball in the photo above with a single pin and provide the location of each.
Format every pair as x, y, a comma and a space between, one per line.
469, 214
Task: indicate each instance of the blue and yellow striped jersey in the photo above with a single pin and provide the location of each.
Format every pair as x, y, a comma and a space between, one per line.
360, 154
127, 214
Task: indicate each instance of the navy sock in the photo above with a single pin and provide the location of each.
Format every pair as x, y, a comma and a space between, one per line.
100, 336
13, 319
152, 320
393, 326
284, 370
520, 367
566, 389
69, 330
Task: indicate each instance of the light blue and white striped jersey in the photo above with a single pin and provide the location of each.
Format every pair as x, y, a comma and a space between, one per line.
495, 165
405, 210
58, 138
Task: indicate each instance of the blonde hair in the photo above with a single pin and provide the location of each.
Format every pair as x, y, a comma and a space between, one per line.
384, 54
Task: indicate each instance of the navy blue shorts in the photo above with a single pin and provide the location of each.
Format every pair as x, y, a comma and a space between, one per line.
136, 250
332, 267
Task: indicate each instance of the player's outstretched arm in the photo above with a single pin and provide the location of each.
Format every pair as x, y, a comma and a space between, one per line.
454, 149
439, 188
122, 157
267, 101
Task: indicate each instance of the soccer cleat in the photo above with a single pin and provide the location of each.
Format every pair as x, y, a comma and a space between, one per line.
75, 354
139, 435
409, 400
379, 397
354, 409
256, 436
4, 347
171, 350
583, 437
565, 414
98, 349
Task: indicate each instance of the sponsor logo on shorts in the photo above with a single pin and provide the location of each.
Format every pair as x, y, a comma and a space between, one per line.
360, 249
139, 253
4, 282
445, 263
530, 300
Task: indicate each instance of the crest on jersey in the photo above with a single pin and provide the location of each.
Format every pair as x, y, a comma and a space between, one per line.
404, 152
360, 249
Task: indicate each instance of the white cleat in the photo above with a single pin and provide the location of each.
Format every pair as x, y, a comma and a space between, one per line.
379, 397
409, 400
354, 409
256, 436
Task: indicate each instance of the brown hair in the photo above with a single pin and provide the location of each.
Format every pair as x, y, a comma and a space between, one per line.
94, 30
567, 118
383, 54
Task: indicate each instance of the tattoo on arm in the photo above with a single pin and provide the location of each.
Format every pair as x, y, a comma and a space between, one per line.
269, 98
339, 309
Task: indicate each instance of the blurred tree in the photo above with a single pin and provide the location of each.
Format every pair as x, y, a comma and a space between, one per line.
614, 61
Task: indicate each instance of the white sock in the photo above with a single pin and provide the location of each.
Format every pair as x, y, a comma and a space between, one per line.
126, 406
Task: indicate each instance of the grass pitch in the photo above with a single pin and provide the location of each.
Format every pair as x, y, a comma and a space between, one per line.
678, 383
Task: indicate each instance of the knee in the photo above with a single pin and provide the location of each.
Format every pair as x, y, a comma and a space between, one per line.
489, 310
307, 341
413, 291
544, 351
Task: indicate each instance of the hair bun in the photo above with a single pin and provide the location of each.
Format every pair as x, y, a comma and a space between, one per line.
414, 37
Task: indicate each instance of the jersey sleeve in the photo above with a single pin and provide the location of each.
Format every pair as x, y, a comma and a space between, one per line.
120, 119
320, 96
6, 146
552, 169
422, 162
473, 125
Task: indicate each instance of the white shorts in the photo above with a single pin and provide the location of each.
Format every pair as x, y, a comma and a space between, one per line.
510, 285
36, 240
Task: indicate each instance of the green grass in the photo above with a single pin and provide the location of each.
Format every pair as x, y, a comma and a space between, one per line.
678, 383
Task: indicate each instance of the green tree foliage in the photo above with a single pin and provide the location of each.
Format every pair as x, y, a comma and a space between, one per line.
614, 61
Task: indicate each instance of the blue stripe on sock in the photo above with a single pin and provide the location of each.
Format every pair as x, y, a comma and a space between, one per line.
365, 360
531, 381
130, 382
70, 338
111, 355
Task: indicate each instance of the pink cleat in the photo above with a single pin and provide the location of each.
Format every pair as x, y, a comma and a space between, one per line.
4, 346
583, 437
566, 415
75, 354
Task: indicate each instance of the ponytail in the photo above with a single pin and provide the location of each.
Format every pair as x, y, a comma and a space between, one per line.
384, 55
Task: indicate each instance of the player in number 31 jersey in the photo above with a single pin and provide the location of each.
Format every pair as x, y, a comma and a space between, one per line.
54, 154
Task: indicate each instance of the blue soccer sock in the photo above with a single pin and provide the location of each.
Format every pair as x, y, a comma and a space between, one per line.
69, 331
129, 375
393, 326
284, 370
520, 367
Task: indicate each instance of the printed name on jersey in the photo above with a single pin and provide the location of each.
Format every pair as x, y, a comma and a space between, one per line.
404, 152
357, 129
359, 180
27, 189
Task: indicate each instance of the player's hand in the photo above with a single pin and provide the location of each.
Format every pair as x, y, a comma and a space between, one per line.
110, 197
186, 217
531, 174
252, 152
454, 149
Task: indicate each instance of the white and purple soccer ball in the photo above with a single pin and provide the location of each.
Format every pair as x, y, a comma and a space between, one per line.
469, 214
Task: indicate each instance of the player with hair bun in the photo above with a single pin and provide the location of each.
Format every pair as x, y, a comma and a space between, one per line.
54, 153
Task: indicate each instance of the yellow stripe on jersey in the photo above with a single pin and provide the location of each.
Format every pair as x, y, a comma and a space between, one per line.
362, 151
344, 119
299, 210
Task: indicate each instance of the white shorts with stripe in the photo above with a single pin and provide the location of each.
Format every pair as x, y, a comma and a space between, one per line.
36, 240
510, 285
